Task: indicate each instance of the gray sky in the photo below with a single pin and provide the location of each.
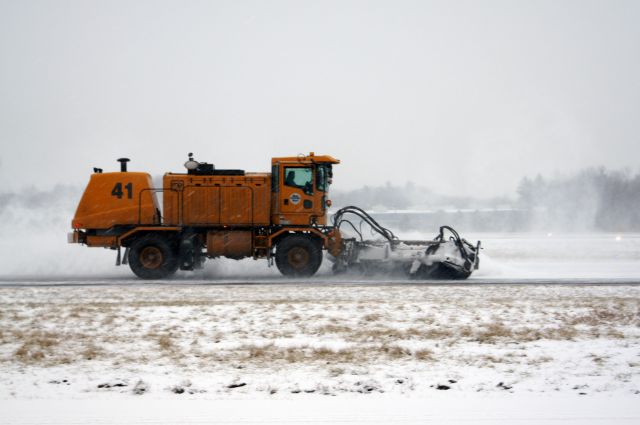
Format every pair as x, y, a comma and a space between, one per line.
463, 96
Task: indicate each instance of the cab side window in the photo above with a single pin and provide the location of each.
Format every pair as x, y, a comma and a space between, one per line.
300, 177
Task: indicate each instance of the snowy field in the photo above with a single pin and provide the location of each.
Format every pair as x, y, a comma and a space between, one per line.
82, 341
418, 344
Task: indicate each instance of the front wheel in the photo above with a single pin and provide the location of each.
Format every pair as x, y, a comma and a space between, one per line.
153, 257
298, 256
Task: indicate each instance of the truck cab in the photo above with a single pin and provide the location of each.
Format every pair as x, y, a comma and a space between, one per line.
299, 189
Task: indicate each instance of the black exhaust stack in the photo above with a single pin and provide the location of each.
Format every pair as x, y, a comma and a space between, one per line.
123, 164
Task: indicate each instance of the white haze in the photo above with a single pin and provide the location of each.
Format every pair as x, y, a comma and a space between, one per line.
34, 228
462, 96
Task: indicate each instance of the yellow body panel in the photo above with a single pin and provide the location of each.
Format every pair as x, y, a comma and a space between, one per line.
217, 200
112, 199
105, 241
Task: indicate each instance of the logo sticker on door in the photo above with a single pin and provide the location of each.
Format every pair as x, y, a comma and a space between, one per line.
295, 198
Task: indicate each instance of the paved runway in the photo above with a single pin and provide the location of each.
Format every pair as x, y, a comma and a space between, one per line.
316, 281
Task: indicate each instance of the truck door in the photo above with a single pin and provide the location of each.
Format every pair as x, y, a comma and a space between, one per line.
297, 193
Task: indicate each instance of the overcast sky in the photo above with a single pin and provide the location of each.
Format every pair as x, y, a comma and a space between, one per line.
465, 97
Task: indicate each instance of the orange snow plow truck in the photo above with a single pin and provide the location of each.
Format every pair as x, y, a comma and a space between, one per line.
281, 215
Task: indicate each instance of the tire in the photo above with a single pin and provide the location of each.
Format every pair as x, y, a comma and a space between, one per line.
153, 257
298, 256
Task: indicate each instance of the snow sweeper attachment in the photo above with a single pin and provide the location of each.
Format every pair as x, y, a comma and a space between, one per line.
447, 256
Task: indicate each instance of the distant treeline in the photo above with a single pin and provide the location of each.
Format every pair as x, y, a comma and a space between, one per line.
590, 200
409, 196
593, 199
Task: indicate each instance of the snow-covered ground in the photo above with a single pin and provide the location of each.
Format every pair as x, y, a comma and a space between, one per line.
447, 409
320, 353
297, 342
208, 347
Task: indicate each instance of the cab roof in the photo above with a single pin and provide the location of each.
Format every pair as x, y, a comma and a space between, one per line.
312, 158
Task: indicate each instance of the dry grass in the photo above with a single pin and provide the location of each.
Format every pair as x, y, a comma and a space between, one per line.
271, 354
108, 320
613, 333
375, 324
334, 329
424, 355
91, 352
437, 333
326, 354
562, 333
371, 317
255, 352
492, 332
598, 316
334, 372
539, 360
166, 342
36, 346
394, 352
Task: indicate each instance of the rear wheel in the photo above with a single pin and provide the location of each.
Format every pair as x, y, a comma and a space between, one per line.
298, 256
153, 257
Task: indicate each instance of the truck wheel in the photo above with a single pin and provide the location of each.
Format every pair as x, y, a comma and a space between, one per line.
153, 257
298, 256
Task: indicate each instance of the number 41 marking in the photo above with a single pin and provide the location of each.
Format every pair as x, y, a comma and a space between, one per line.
117, 190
